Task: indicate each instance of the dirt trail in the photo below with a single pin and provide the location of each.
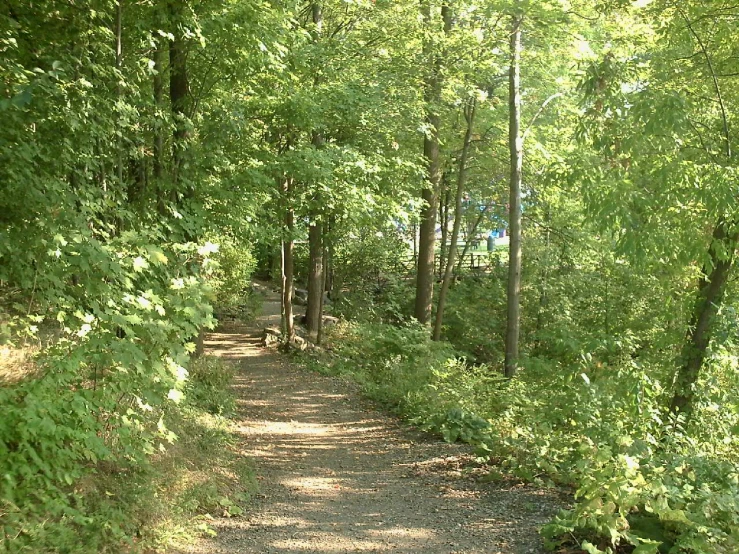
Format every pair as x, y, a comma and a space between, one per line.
336, 475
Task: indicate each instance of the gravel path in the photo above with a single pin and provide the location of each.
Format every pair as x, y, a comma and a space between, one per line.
336, 475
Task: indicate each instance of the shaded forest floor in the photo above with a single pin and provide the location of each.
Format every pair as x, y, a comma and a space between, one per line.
337, 475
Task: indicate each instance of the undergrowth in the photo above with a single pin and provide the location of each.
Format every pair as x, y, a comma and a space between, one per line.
154, 503
644, 484
97, 392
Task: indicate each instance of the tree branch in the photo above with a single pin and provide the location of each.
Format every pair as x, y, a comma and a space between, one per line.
717, 88
541, 109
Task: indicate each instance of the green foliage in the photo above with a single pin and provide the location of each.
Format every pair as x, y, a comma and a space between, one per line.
171, 501
234, 266
458, 425
393, 364
109, 181
230, 279
640, 480
386, 301
367, 280
107, 187
117, 361
475, 315
207, 386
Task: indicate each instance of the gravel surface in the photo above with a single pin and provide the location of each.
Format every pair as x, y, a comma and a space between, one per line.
337, 475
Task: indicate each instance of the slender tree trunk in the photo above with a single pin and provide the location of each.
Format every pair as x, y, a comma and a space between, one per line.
513, 322
430, 194
444, 218
315, 278
414, 228
427, 228
325, 257
159, 66
288, 321
469, 115
178, 91
102, 168
710, 297
716, 272
606, 301
543, 282
199, 344
119, 90
329, 255
315, 232
136, 178
470, 234
160, 63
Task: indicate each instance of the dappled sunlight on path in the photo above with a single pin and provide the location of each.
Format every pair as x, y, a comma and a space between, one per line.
336, 475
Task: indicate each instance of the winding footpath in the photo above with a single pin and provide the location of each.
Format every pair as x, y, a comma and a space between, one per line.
336, 475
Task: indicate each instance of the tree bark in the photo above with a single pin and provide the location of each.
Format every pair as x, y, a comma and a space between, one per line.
513, 321
315, 231
430, 194
199, 344
119, 90
710, 296
159, 66
328, 242
414, 228
444, 218
178, 91
158, 85
712, 286
288, 321
325, 257
470, 235
469, 114
315, 279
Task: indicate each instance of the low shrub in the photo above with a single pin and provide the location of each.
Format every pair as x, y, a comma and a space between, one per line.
229, 276
644, 482
106, 382
207, 386
393, 364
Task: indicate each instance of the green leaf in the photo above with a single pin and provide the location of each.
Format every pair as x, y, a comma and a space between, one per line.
590, 548
647, 548
139, 264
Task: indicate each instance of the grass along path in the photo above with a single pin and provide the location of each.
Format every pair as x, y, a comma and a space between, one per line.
336, 475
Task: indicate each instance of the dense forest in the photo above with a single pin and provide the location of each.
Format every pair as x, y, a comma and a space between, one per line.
522, 213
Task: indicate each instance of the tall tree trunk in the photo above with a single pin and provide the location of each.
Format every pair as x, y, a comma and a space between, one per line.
329, 255
178, 91
136, 177
315, 279
414, 229
430, 194
712, 286
315, 232
513, 322
288, 321
160, 63
469, 115
444, 218
710, 296
159, 67
325, 257
471, 233
544, 281
119, 90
